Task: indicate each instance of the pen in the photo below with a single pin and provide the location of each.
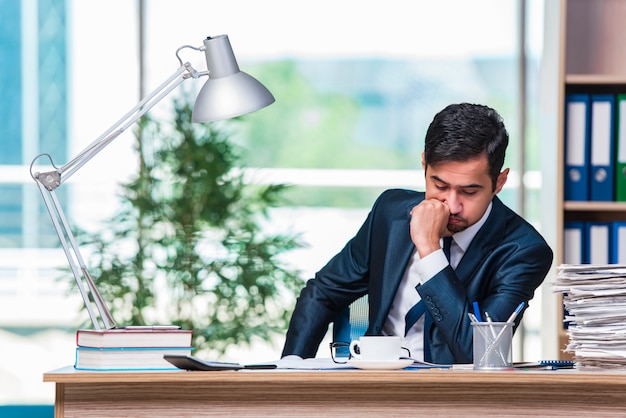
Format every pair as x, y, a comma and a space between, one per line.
473, 319
488, 317
477, 312
516, 312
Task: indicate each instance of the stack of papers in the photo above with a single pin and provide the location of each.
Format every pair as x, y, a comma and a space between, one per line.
594, 297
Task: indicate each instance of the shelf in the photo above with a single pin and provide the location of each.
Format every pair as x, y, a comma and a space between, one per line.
592, 61
611, 79
594, 211
595, 206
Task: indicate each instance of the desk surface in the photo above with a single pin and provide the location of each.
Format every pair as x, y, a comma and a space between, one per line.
565, 376
337, 393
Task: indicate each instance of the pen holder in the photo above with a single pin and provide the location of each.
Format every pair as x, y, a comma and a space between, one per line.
493, 345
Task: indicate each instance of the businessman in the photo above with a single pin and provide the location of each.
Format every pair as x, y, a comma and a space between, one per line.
416, 289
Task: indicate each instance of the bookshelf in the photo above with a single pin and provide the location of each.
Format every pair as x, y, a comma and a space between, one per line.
592, 59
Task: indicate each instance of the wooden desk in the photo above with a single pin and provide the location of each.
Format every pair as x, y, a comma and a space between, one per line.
337, 393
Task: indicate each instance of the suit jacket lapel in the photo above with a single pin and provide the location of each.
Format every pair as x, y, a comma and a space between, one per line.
484, 242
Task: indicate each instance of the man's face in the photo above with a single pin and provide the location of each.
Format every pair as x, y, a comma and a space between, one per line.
465, 187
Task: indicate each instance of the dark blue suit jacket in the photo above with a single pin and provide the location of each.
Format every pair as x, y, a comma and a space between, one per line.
506, 261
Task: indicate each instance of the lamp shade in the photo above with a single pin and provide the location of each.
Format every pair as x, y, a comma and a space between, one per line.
229, 92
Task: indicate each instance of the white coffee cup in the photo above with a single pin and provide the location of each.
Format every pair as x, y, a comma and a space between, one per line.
376, 348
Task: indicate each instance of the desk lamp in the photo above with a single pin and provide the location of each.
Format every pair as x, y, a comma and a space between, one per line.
227, 93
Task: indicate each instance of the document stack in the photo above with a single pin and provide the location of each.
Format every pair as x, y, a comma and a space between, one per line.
130, 348
594, 298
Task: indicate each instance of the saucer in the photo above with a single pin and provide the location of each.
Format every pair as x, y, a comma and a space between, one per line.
380, 364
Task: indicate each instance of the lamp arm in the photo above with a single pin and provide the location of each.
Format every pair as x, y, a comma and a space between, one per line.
77, 265
48, 182
133, 115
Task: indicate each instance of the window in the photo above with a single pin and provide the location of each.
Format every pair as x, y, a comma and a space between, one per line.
356, 82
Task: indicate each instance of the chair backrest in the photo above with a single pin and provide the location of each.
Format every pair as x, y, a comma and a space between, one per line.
352, 322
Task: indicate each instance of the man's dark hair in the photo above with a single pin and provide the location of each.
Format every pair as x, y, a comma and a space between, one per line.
465, 131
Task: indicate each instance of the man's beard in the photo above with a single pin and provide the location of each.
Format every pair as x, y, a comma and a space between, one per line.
457, 227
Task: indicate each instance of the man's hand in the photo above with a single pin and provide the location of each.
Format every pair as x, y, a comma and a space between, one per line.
429, 223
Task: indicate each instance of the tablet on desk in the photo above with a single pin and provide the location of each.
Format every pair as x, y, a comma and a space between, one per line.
187, 362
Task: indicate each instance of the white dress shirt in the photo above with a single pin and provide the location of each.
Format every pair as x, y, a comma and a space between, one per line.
418, 271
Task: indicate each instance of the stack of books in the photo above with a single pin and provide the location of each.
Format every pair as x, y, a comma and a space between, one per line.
594, 298
130, 348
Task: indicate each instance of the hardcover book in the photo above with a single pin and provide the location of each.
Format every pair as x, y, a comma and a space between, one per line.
126, 358
134, 337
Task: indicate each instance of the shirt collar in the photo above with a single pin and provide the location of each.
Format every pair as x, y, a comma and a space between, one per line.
464, 238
